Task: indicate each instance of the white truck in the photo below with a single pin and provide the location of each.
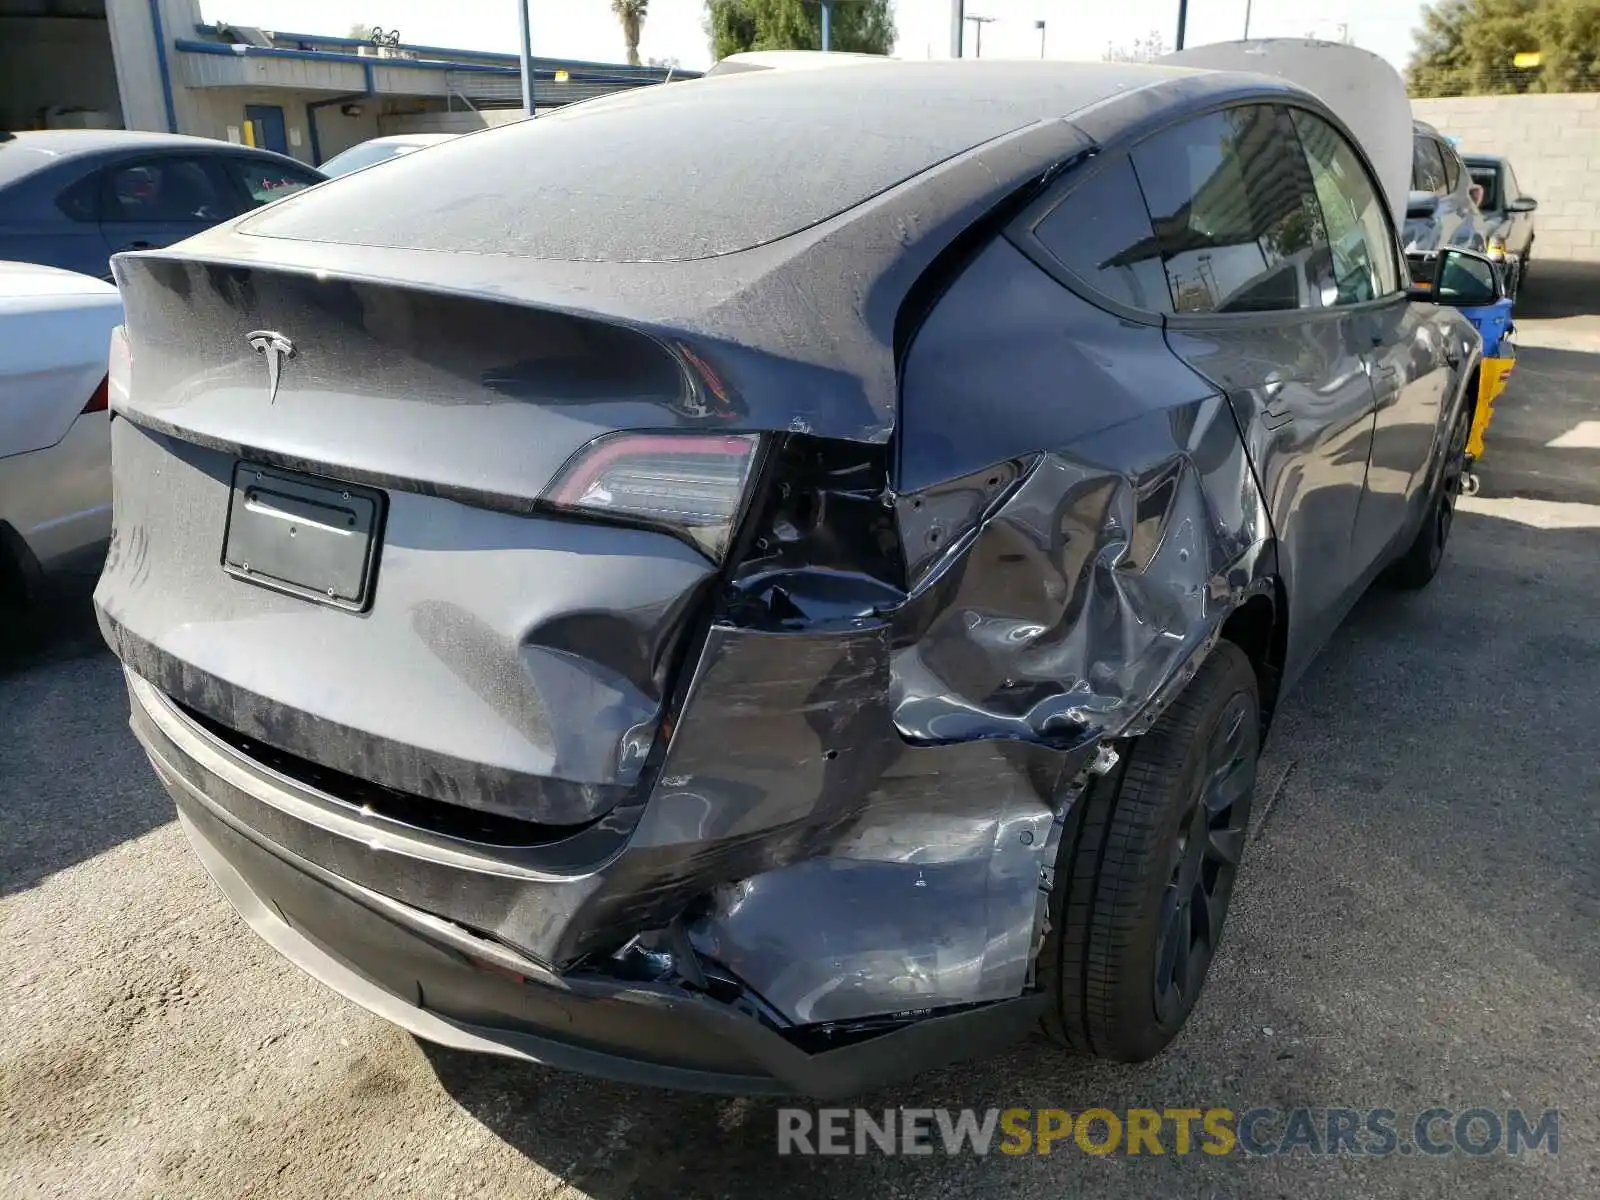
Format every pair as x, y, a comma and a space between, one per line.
55, 445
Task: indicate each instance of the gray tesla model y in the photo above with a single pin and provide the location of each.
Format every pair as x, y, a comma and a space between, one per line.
773, 582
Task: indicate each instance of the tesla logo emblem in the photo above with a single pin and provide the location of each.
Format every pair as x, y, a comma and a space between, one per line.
276, 348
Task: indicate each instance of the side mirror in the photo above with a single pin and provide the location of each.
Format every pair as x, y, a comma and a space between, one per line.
1523, 204
1461, 279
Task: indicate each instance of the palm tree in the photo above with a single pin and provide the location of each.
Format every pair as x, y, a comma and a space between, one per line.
631, 13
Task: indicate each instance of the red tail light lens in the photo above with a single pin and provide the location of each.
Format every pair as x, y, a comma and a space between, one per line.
692, 483
119, 364
97, 400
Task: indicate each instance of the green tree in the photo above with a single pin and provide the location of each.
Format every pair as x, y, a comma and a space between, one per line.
1468, 47
631, 14
736, 26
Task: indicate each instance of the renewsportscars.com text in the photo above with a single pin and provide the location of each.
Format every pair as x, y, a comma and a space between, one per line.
1316, 1132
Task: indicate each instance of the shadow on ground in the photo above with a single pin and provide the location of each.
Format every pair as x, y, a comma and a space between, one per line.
1427, 876
1560, 289
68, 791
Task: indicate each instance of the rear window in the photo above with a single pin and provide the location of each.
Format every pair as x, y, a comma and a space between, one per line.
671, 172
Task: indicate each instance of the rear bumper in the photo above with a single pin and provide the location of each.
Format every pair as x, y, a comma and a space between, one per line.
446, 984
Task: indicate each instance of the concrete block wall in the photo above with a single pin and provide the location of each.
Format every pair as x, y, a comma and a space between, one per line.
1553, 143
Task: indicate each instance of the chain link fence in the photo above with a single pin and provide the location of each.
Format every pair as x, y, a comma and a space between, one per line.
1429, 82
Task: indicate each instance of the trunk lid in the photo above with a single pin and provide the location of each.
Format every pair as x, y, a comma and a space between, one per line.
473, 648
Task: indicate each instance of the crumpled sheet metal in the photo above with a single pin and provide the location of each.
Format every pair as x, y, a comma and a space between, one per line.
1072, 607
1080, 603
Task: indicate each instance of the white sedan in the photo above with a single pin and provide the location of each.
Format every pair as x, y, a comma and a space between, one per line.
380, 149
55, 446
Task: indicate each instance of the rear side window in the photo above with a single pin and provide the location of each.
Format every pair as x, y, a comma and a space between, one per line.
167, 190
1427, 167
81, 201
1101, 233
1235, 213
264, 182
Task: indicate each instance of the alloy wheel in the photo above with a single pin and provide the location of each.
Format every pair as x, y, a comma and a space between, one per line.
1205, 858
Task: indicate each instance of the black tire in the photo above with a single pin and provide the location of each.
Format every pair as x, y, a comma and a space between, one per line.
1129, 852
1415, 569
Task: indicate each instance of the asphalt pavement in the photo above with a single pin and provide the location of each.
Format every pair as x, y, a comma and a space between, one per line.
1417, 925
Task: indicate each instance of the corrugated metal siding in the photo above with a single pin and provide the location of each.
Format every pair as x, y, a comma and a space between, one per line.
216, 70
407, 81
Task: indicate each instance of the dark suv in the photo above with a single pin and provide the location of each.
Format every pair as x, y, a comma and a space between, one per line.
1440, 210
1507, 216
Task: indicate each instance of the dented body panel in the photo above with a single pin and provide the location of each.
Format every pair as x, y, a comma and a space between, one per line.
576, 789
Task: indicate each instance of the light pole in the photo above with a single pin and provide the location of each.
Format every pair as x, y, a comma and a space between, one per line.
827, 14
977, 40
525, 42
1247, 20
1183, 22
1039, 25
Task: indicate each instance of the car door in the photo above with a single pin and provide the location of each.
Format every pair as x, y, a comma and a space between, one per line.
1247, 258
156, 200
1400, 350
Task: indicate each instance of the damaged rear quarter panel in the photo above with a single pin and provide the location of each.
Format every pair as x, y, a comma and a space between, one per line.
1078, 518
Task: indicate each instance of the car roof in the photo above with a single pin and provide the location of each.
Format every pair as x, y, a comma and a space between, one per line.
404, 139
787, 60
1487, 159
611, 183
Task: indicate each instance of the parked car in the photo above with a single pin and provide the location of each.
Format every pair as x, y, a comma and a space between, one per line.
380, 149
779, 629
1440, 211
1507, 215
71, 198
55, 442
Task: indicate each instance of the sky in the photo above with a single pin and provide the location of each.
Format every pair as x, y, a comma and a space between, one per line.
586, 29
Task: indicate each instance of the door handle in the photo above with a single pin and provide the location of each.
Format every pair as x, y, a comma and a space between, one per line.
137, 246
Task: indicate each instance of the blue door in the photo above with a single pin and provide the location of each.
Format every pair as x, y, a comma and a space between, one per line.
264, 128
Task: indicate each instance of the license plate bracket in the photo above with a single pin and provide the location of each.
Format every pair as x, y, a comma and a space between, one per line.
306, 536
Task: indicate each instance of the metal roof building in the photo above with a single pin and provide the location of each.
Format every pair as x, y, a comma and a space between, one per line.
153, 64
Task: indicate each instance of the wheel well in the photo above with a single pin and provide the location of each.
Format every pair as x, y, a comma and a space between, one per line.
19, 570
1254, 627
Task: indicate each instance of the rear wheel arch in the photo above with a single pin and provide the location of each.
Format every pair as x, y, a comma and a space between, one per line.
1260, 628
19, 570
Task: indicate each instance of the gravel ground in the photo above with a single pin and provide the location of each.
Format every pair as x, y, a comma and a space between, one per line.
1418, 924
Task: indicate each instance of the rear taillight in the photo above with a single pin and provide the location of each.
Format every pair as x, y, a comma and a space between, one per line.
119, 364
693, 484
97, 399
